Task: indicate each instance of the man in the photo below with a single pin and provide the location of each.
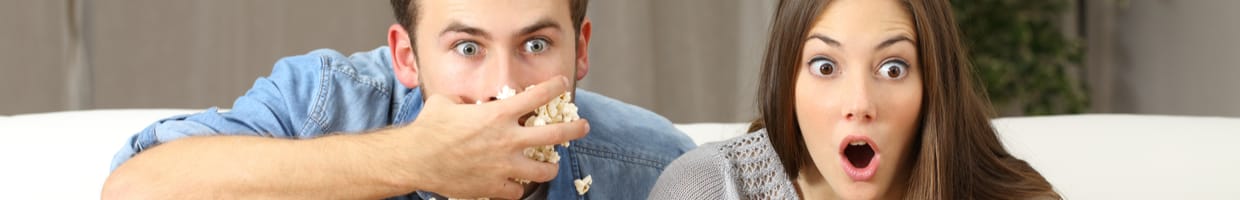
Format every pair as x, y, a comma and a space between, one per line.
401, 121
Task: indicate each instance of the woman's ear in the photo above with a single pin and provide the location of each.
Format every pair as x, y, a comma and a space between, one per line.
583, 49
404, 61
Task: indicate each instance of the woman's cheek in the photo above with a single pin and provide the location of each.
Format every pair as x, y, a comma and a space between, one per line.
815, 104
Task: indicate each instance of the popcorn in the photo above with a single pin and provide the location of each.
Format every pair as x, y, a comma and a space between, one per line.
583, 185
561, 109
506, 92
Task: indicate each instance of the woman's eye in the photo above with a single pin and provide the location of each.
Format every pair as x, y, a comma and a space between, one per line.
536, 45
823, 67
467, 48
893, 69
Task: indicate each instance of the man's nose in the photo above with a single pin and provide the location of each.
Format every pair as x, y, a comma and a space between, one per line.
500, 71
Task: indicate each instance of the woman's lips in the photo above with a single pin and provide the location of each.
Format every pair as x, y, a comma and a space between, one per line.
865, 152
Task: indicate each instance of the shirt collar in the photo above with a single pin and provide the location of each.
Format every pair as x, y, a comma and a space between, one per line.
408, 106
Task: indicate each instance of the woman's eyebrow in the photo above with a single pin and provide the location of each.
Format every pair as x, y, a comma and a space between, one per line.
824, 39
891, 41
886, 43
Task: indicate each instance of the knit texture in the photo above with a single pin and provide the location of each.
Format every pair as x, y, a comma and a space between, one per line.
745, 167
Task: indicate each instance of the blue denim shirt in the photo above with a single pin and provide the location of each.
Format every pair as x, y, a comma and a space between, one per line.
324, 92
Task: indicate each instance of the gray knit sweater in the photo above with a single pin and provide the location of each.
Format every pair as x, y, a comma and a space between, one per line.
745, 167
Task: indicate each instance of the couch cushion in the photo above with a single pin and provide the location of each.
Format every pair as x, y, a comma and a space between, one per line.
1130, 156
66, 155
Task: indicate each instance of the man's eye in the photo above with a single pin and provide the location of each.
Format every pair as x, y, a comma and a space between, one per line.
823, 67
467, 48
894, 69
536, 45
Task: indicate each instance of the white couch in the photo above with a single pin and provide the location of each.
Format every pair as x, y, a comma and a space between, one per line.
65, 155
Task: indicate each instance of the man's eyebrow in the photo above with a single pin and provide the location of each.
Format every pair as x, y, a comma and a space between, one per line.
459, 27
893, 40
541, 24
825, 39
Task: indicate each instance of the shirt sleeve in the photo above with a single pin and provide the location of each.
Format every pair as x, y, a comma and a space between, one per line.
276, 106
698, 174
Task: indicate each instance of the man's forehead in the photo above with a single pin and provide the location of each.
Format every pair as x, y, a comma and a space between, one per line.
510, 15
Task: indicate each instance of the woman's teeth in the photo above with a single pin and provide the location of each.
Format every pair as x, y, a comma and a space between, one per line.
857, 143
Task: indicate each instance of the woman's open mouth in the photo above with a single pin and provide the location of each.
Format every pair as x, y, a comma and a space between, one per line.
859, 157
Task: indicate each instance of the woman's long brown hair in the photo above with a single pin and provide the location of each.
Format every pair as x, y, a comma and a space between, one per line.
957, 154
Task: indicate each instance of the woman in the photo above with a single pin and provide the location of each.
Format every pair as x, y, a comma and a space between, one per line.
861, 99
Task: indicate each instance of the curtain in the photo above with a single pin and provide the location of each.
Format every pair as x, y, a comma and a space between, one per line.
688, 60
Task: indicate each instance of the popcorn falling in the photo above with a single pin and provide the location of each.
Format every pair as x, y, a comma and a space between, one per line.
583, 185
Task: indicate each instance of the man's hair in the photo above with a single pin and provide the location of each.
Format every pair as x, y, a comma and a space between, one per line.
406, 12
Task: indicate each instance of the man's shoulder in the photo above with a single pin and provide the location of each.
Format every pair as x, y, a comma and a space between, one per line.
377, 57
625, 127
618, 114
369, 67
318, 86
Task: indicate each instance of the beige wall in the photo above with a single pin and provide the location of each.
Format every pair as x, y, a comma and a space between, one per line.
33, 56
1164, 57
156, 53
690, 60
1180, 57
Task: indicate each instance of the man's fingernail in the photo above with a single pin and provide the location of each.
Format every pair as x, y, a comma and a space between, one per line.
565, 79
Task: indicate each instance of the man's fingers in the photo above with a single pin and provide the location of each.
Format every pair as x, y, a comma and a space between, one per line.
552, 133
533, 170
540, 94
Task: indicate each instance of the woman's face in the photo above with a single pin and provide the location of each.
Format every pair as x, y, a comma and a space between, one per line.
858, 94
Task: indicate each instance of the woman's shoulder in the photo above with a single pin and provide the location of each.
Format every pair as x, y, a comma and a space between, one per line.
702, 173
742, 166
724, 154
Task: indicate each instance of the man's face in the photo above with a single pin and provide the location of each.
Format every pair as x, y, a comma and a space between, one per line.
471, 49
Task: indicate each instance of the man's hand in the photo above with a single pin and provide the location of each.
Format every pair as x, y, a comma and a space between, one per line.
475, 150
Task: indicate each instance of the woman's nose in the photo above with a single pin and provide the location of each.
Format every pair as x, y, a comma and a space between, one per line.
859, 104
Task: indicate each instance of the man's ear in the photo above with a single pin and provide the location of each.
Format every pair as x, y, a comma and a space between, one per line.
404, 62
583, 49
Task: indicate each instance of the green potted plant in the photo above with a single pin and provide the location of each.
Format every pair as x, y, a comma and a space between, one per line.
1025, 61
